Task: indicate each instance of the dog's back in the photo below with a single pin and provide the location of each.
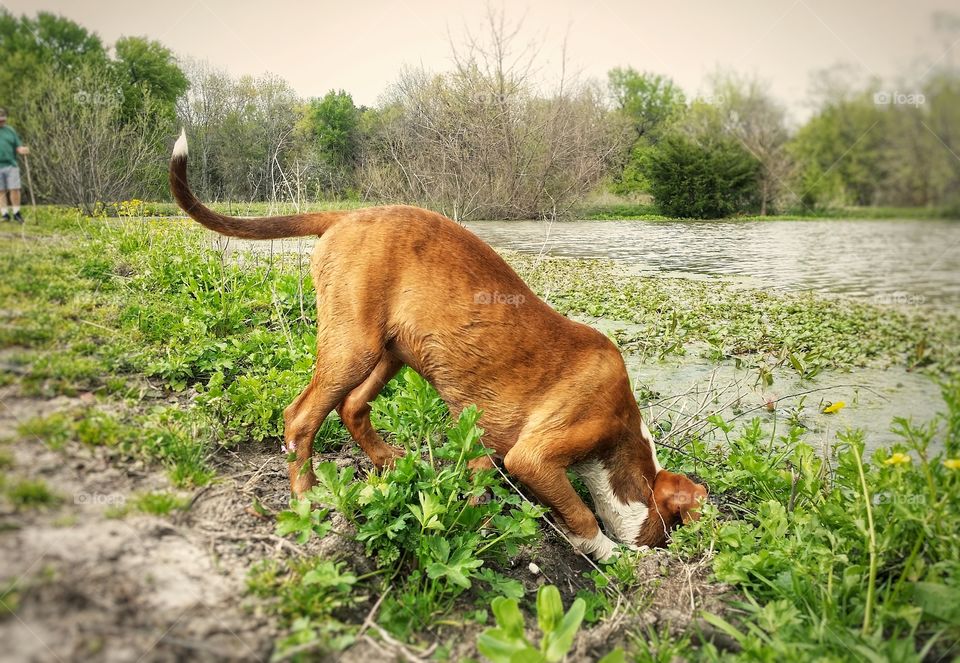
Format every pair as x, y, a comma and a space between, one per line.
452, 309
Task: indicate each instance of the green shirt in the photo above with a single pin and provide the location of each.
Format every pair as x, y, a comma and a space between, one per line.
9, 142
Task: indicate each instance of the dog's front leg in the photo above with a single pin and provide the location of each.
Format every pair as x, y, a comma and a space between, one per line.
547, 478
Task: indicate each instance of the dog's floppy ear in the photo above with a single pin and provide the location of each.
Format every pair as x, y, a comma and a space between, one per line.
680, 496
688, 499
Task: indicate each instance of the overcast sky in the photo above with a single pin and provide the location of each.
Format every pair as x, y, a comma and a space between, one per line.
361, 45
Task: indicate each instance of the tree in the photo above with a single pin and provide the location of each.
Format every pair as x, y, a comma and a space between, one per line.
942, 133
484, 140
942, 104
30, 45
711, 177
243, 135
646, 104
148, 70
333, 121
202, 111
648, 101
842, 153
83, 153
333, 127
750, 114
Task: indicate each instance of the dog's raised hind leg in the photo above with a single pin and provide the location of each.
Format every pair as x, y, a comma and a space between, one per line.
354, 411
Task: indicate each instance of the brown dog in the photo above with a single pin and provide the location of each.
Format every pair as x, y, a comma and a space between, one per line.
402, 285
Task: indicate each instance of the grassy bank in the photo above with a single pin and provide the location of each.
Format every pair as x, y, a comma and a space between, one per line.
616, 211
597, 210
174, 354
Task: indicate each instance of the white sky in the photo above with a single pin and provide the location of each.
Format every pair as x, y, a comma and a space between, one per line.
360, 46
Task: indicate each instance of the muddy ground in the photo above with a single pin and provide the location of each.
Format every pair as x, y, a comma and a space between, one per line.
79, 583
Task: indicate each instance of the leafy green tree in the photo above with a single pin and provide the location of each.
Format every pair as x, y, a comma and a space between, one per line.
710, 177
147, 68
649, 101
842, 153
334, 122
30, 45
942, 96
332, 125
646, 103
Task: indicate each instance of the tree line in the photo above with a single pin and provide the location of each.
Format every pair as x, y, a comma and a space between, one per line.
486, 139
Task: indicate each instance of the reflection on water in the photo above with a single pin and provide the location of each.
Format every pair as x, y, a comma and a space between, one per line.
913, 262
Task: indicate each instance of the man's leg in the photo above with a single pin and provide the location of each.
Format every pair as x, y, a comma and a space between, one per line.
15, 204
3, 205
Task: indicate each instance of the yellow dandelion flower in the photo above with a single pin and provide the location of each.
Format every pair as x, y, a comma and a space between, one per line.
952, 463
834, 407
897, 459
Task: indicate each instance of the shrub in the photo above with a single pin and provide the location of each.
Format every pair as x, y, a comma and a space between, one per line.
708, 178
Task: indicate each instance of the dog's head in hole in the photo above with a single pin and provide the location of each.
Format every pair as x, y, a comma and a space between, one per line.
676, 500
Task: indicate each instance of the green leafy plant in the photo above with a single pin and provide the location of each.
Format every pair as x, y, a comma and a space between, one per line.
410, 409
158, 503
31, 493
866, 545
419, 521
508, 642
302, 520
308, 595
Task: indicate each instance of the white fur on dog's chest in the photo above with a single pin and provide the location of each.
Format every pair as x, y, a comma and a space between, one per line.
621, 519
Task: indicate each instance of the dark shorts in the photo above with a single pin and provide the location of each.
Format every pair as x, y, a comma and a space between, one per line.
9, 178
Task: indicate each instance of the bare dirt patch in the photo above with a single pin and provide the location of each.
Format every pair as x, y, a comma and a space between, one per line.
139, 587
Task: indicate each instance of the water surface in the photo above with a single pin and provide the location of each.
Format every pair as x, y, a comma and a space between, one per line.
889, 261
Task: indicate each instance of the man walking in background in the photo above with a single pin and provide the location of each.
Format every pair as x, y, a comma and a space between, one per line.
10, 147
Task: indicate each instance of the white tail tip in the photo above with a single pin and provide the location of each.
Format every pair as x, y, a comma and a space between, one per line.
180, 147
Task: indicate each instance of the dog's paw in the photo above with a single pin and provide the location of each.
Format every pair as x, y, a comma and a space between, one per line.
386, 457
600, 547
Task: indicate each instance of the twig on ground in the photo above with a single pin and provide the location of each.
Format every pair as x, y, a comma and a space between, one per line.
98, 326
256, 476
272, 538
397, 648
197, 495
373, 612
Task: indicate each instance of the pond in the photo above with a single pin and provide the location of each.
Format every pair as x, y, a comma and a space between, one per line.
888, 261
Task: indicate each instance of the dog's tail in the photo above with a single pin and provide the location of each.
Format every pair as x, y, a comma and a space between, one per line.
268, 227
